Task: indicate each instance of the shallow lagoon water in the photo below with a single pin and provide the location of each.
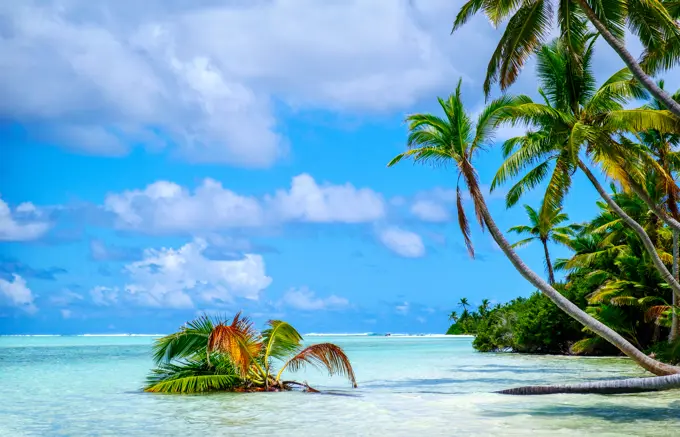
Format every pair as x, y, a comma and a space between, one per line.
429, 386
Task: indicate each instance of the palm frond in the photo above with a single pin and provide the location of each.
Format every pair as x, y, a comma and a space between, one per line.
463, 223
191, 339
526, 30
325, 356
280, 340
192, 376
239, 341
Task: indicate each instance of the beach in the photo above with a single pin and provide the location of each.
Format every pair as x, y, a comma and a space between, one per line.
408, 385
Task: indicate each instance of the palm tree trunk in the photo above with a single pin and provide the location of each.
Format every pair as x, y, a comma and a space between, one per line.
632, 385
674, 320
551, 273
659, 212
562, 302
620, 48
635, 226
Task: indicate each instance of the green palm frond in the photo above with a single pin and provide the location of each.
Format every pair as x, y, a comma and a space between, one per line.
191, 339
526, 30
192, 376
280, 340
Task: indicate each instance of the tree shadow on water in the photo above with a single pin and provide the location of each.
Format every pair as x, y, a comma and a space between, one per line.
611, 412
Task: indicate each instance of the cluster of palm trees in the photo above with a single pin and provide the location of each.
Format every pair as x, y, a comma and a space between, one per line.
576, 125
214, 354
467, 322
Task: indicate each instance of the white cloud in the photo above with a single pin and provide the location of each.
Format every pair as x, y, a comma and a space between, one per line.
304, 299
165, 207
104, 296
65, 298
205, 73
23, 224
430, 211
66, 314
404, 243
307, 201
403, 308
16, 293
178, 278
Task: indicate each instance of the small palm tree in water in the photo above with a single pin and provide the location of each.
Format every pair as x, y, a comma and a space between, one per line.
215, 355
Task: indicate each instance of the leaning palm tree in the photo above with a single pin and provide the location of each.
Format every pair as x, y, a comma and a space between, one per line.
545, 228
529, 24
211, 354
575, 117
454, 140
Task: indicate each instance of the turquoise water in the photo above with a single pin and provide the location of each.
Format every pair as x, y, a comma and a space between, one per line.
427, 386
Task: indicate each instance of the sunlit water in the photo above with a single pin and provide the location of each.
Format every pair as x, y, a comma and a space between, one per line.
76, 386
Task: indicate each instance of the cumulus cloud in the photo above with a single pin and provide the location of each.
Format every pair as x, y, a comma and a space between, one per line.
165, 207
104, 296
179, 278
306, 201
15, 293
305, 299
430, 211
203, 74
23, 224
404, 243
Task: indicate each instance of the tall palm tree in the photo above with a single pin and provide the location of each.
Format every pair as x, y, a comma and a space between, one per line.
577, 117
454, 140
664, 148
464, 303
211, 354
529, 24
545, 228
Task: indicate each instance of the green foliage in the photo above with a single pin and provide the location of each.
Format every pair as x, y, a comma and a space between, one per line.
214, 355
609, 275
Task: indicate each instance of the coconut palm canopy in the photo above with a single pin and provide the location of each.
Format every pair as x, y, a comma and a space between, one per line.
212, 354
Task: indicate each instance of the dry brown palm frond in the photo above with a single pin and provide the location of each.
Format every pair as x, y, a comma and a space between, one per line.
655, 312
322, 356
463, 223
239, 340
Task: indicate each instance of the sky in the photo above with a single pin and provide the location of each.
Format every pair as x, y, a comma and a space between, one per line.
164, 159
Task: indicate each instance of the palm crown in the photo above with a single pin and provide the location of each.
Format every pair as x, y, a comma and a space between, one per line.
211, 354
545, 228
454, 139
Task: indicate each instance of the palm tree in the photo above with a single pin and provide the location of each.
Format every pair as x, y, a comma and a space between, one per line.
663, 147
464, 303
484, 307
453, 316
454, 140
574, 117
545, 228
210, 354
529, 25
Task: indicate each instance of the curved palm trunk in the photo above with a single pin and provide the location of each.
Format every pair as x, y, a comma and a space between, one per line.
635, 226
551, 272
632, 385
620, 48
562, 302
659, 212
674, 320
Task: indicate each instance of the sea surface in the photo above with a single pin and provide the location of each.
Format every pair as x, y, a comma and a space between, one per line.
408, 386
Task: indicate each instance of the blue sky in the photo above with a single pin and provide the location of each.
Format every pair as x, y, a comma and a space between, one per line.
162, 159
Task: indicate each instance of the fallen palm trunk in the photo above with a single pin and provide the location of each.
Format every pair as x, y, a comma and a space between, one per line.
632, 385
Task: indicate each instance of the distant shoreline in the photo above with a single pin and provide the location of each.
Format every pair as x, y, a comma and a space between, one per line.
313, 334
